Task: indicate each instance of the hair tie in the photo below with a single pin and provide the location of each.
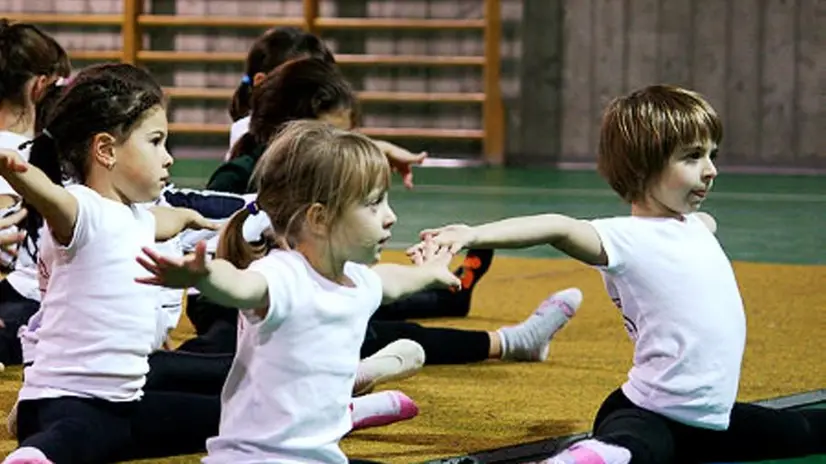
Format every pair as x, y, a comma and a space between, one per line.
246, 80
252, 208
46, 133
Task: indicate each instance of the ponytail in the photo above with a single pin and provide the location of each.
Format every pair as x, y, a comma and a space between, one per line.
240, 106
246, 144
233, 247
43, 155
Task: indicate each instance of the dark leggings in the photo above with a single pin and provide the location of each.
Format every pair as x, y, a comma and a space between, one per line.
15, 310
441, 345
80, 430
755, 433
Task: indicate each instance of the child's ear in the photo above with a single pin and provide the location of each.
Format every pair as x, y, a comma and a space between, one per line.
316, 219
103, 149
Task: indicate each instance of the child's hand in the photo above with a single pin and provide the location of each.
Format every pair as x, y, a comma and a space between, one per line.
194, 220
182, 272
11, 161
402, 161
10, 240
437, 260
453, 237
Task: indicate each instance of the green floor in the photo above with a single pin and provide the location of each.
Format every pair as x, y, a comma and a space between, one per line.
779, 219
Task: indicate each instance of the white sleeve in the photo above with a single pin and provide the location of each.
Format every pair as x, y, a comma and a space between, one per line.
89, 217
367, 277
283, 281
616, 241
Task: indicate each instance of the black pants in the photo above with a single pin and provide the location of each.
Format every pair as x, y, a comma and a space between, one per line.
15, 310
441, 345
755, 433
89, 431
180, 371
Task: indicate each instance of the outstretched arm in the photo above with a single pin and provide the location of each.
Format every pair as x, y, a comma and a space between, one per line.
57, 206
217, 279
573, 237
399, 281
170, 222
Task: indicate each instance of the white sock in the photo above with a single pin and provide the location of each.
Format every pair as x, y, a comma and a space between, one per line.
26, 454
529, 340
592, 452
381, 408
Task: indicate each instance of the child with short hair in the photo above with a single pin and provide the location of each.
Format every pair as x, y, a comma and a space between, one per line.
667, 273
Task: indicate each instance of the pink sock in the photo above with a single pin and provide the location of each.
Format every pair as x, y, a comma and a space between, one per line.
382, 408
593, 452
27, 455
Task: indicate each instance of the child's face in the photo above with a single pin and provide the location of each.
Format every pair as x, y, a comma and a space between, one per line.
142, 161
685, 182
364, 229
340, 119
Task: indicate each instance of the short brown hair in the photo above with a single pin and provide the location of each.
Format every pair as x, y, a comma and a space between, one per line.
640, 131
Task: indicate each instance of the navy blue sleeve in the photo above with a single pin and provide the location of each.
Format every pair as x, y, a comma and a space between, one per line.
211, 204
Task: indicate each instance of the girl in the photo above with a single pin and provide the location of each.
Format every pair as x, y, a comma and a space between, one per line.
325, 193
312, 89
274, 48
31, 63
82, 398
666, 272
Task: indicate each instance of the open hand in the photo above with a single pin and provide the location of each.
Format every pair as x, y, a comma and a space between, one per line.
183, 272
11, 161
402, 161
453, 237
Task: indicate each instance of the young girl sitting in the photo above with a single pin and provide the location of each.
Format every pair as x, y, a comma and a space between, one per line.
665, 270
287, 395
82, 399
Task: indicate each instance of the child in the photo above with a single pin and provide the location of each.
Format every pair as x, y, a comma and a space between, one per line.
274, 48
310, 88
666, 272
325, 193
31, 63
82, 398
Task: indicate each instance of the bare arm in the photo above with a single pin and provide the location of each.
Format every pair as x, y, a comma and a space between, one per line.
236, 288
399, 281
218, 279
573, 237
57, 206
170, 221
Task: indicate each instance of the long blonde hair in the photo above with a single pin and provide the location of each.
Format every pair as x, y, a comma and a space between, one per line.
308, 162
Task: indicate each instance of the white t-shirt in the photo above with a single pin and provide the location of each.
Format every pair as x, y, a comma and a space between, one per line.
24, 277
98, 325
287, 396
236, 131
678, 295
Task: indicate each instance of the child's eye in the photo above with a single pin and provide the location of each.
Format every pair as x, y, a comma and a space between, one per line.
695, 155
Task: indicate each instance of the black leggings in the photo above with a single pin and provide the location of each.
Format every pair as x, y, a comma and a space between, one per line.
72, 430
15, 310
755, 433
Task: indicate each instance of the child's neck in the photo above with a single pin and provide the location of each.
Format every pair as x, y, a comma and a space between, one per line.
651, 208
322, 261
99, 179
17, 120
